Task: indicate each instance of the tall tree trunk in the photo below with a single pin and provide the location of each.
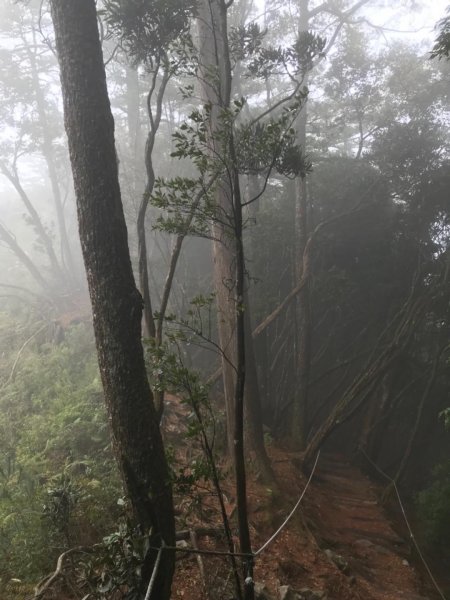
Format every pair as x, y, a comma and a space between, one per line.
299, 423
228, 251
252, 388
216, 90
254, 417
299, 428
239, 456
116, 303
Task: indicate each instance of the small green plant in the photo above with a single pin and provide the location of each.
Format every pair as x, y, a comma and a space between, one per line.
115, 566
445, 415
62, 496
58, 481
433, 507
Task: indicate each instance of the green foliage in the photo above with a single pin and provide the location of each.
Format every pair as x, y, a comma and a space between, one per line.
188, 204
271, 145
116, 565
192, 140
174, 197
264, 62
445, 415
147, 28
307, 47
433, 507
168, 372
441, 48
62, 496
167, 366
58, 482
42, 514
245, 40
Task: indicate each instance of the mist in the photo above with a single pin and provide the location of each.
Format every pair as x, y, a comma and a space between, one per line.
224, 294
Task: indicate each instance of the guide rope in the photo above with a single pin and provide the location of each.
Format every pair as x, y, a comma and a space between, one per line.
411, 534
249, 556
151, 583
291, 514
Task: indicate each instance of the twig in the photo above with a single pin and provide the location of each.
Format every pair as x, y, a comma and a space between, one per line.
24, 345
39, 591
185, 534
201, 566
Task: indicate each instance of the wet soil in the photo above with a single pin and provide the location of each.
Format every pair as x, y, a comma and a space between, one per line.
341, 542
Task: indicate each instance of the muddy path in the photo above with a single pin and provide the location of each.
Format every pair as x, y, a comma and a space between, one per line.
351, 521
342, 543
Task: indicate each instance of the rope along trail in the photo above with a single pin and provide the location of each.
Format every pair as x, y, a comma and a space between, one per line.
411, 534
264, 546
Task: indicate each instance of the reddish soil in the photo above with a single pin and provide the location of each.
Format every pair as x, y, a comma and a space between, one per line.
340, 542
341, 513
353, 522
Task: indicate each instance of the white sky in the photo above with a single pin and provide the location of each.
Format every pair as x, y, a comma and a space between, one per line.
419, 23
415, 26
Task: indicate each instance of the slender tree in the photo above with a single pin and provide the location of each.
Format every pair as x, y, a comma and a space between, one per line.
228, 251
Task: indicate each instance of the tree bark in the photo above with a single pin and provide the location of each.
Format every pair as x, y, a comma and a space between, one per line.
241, 374
299, 427
254, 416
299, 423
116, 303
228, 251
216, 89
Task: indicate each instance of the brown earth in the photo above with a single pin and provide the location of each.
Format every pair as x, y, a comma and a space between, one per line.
341, 541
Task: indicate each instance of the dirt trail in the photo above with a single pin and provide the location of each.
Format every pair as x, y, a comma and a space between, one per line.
353, 524
341, 542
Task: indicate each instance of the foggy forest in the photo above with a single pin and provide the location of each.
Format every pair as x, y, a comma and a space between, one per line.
224, 299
